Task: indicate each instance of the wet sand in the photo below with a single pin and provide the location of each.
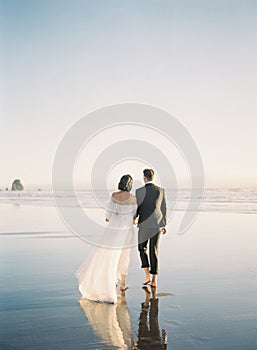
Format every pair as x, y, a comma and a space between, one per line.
206, 297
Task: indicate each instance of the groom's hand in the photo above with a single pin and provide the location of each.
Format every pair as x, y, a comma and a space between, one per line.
164, 230
135, 221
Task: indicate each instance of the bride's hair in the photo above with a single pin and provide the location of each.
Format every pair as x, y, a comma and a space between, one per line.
125, 183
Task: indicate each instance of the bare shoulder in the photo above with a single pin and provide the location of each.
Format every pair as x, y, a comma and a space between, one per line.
115, 195
133, 199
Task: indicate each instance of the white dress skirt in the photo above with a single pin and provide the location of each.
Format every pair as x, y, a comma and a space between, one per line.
99, 273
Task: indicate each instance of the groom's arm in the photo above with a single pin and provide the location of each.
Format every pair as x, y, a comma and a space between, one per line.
164, 209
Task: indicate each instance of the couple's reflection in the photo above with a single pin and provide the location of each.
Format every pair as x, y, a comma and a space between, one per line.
149, 336
112, 323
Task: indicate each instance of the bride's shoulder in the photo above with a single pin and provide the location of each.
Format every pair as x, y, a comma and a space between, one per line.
120, 198
115, 196
133, 199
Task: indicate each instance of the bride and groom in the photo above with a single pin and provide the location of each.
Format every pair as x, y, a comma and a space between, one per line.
98, 276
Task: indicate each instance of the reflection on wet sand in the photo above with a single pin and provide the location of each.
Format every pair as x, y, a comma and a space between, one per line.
111, 322
149, 336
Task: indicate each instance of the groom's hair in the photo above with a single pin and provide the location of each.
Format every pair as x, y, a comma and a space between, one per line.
149, 174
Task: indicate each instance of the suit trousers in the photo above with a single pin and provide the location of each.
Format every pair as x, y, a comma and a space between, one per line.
151, 235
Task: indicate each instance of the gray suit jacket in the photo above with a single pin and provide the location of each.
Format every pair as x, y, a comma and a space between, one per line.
151, 206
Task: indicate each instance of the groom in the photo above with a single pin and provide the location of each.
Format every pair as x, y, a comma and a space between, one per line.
151, 213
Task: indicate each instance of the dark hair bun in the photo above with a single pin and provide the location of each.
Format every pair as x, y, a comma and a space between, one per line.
125, 183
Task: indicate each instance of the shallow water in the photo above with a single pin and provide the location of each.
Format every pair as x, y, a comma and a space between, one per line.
206, 295
237, 200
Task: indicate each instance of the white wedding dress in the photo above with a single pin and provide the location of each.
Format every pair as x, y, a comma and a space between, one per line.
100, 272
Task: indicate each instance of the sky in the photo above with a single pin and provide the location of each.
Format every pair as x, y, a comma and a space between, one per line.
195, 59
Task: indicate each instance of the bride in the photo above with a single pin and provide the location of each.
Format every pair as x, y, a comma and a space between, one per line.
98, 275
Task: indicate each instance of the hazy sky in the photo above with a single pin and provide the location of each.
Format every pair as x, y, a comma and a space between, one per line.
195, 59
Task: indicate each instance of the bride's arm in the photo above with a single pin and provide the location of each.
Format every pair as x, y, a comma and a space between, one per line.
109, 210
136, 214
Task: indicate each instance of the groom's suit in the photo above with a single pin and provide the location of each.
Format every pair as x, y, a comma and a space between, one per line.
151, 210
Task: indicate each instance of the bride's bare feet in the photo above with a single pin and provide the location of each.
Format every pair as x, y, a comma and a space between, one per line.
123, 283
123, 288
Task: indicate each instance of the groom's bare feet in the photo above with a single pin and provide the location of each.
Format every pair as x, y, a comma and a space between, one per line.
147, 281
153, 285
147, 276
154, 281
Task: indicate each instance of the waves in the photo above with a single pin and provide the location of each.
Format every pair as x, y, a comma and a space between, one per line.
215, 200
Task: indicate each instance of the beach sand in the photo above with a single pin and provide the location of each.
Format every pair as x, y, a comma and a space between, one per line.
206, 297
